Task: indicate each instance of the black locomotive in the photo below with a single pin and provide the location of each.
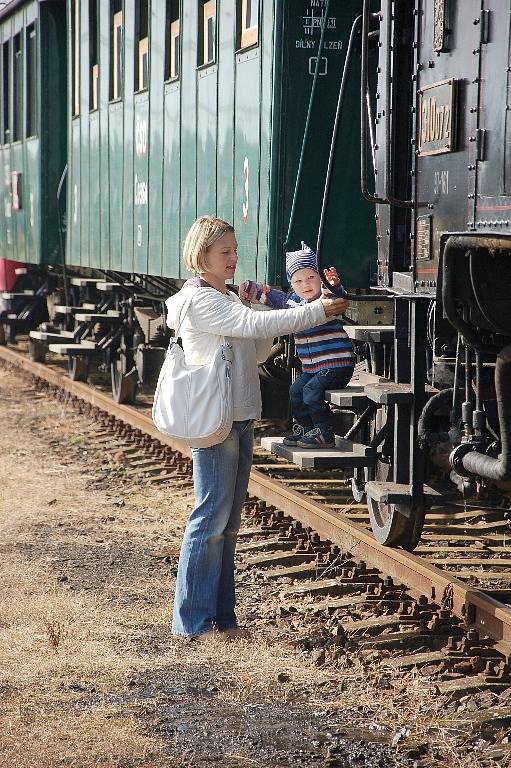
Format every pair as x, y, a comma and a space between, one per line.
436, 140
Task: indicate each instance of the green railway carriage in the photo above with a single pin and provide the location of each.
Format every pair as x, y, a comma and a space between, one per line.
33, 128
177, 108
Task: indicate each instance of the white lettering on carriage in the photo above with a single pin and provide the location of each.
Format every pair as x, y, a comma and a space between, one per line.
246, 172
141, 137
141, 191
75, 204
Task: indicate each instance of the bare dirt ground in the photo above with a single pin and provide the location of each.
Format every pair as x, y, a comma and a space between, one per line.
89, 672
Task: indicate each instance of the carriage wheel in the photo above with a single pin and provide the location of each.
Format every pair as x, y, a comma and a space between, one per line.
124, 388
78, 368
36, 351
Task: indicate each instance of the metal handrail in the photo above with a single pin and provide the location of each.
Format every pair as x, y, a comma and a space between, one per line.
307, 122
364, 84
388, 151
388, 198
338, 112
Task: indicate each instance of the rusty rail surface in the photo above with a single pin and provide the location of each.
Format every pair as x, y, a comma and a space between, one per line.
478, 610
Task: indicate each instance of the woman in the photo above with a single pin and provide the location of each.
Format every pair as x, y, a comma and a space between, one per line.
204, 600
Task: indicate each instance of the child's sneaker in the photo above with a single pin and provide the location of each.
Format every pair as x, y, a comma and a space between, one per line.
315, 438
298, 433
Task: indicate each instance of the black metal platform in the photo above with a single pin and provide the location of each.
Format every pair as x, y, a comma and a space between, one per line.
61, 309
85, 348
9, 295
382, 334
111, 316
83, 282
52, 337
398, 493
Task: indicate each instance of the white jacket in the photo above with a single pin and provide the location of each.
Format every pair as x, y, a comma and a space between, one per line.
213, 316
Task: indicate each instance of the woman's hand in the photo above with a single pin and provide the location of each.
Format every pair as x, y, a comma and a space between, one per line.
248, 290
334, 307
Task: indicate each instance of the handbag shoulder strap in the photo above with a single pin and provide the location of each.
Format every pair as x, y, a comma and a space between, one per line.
181, 316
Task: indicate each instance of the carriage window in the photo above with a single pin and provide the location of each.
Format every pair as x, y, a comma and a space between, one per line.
6, 94
93, 55
31, 48
141, 45
207, 32
249, 26
75, 55
172, 40
116, 50
17, 87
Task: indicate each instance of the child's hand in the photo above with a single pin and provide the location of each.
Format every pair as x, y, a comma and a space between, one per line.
252, 291
265, 290
331, 276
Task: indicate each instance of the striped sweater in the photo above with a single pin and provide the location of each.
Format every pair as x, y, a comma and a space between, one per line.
321, 348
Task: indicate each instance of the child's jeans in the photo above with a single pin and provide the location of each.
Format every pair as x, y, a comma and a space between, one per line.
307, 395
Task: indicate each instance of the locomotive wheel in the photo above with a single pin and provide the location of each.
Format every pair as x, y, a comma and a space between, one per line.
392, 527
358, 481
3, 337
78, 368
124, 388
36, 351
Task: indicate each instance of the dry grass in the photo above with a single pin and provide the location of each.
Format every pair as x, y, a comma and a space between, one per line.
72, 659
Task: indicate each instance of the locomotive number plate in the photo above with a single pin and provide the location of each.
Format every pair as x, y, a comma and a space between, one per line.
437, 118
423, 238
439, 25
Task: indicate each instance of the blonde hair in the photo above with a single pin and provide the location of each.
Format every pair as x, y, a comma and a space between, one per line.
202, 234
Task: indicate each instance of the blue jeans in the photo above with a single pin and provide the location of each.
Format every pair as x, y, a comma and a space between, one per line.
204, 598
307, 395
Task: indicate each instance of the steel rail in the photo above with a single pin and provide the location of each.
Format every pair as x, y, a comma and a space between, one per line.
477, 609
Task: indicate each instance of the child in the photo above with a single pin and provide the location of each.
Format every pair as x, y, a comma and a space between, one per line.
326, 352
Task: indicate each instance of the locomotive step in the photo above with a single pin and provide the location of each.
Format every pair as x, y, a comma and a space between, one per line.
111, 316
390, 393
8, 295
384, 334
351, 397
353, 394
398, 493
85, 348
346, 454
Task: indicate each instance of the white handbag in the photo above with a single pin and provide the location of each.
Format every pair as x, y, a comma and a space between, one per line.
193, 403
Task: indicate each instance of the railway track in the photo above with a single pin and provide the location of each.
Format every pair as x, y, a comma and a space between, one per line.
442, 610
